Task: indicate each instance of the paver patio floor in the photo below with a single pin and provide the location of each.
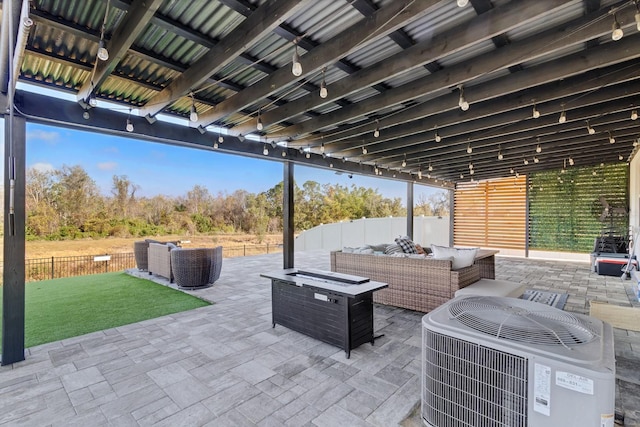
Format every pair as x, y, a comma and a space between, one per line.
224, 365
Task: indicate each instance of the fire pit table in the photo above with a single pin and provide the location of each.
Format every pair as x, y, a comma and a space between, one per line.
331, 307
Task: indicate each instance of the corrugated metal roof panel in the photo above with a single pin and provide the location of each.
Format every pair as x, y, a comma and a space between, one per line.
208, 17
374, 52
39, 69
84, 13
407, 77
274, 50
325, 19
365, 93
480, 48
565, 13
444, 17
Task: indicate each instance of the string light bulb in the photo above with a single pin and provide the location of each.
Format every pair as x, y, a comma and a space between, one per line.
620, 157
220, 139
535, 113
535, 159
265, 150
500, 156
462, 102
571, 162
469, 149
616, 31
215, 145
376, 132
308, 155
462, 3
323, 87
259, 124
129, 126
322, 148
634, 114
430, 168
538, 148
86, 115
437, 137
612, 140
470, 166
93, 101
404, 161
419, 174
193, 114
563, 117
296, 66
590, 129
103, 53
364, 150
525, 161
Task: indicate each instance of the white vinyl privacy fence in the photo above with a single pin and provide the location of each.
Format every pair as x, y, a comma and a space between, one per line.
358, 232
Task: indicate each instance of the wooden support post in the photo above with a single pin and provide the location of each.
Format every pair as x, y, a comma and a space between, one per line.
13, 291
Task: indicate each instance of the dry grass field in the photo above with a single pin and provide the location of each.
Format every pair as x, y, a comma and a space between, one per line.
47, 249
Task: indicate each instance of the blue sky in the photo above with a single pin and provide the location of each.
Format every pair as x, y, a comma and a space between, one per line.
173, 170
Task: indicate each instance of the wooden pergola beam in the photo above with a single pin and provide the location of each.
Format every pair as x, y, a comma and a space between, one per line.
393, 16
481, 28
262, 21
134, 23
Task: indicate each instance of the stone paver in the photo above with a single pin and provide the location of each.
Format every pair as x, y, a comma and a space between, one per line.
224, 365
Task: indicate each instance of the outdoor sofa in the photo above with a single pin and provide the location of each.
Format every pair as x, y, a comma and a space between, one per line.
415, 283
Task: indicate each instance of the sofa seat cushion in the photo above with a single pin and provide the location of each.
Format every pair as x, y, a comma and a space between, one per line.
461, 257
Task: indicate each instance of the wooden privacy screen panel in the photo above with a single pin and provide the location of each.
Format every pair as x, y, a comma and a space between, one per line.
491, 213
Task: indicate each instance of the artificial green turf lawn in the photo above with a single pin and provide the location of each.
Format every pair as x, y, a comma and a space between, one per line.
63, 308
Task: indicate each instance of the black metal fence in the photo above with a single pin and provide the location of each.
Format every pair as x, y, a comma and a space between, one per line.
57, 267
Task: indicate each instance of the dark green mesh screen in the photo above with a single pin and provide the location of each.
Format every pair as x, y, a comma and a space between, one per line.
567, 210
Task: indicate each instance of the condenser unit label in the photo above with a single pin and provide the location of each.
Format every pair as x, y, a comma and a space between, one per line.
542, 389
574, 382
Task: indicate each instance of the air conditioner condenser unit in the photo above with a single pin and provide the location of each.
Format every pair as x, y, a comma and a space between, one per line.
492, 361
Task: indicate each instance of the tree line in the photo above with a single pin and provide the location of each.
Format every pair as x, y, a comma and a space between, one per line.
66, 204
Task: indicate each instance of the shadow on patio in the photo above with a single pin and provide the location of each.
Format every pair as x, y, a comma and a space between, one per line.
225, 365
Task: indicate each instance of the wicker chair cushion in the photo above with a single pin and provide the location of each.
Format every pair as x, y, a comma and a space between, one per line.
461, 258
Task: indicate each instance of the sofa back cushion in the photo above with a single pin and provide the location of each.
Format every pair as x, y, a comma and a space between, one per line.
407, 245
461, 258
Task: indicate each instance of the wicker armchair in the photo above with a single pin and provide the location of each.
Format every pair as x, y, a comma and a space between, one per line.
160, 260
196, 267
140, 251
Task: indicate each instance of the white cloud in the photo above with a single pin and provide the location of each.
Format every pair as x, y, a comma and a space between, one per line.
43, 135
42, 167
107, 166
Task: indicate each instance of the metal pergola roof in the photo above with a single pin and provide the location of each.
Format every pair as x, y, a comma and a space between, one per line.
394, 73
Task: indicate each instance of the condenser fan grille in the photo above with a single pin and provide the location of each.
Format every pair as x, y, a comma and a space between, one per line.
522, 321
